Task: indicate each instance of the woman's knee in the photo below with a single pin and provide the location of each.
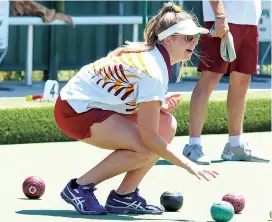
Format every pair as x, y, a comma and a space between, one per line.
167, 126
144, 154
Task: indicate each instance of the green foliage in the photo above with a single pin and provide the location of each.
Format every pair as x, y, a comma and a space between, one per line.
257, 117
29, 125
32, 125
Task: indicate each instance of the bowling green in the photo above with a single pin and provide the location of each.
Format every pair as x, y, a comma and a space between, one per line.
56, 163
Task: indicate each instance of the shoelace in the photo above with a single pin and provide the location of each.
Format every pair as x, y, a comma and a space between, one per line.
90, 196
138, 197
247, 149
197, 150
147, 204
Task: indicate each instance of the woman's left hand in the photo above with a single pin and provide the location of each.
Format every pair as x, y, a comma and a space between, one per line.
171, 102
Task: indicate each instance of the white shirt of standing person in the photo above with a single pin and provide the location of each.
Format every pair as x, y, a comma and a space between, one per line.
242, 12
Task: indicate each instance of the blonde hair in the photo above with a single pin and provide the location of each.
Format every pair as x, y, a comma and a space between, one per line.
167, 16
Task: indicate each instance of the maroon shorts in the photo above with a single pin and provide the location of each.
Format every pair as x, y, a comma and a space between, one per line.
246, 41
77, 125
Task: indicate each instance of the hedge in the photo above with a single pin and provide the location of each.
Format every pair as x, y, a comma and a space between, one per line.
33, 125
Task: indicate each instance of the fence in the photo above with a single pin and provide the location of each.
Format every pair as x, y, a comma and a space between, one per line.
135, 21
82, 20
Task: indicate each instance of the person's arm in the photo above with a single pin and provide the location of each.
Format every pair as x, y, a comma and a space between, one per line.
218, 7
220, 25
148, 122
150, 93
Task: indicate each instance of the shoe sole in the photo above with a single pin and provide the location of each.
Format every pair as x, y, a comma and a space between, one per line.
124, 210
226, 157
198, 162
69, 201
202, 163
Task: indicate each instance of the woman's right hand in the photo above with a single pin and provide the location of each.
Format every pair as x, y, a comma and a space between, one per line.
201, 172
221, 28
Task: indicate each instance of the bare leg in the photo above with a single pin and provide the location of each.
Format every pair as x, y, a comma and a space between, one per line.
129, 154
133, 178
236, 100
167, 130
199, 101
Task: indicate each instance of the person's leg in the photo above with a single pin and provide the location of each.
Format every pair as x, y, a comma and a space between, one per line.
211, 66
198, 110
199, 101
130, 153
241, 69
127, 197
167, 130
238, 86
113, 131
237, 149
111, 166
120, 161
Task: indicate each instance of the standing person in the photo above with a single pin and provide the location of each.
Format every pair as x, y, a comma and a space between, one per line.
119, 103
241, 19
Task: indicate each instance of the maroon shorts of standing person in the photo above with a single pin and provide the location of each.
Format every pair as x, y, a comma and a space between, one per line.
245, 39
77, 125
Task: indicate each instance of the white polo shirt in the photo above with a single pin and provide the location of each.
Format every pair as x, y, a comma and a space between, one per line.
243, 12
120, 83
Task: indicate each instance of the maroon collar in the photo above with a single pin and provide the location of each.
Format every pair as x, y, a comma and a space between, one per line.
166, 58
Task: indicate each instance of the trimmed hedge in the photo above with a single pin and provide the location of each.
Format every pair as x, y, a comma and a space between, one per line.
33, 125
257, 117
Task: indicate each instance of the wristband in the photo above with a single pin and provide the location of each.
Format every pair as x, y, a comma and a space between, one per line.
220, 16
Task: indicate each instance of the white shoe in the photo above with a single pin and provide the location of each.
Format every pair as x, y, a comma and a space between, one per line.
242, 153
194, 153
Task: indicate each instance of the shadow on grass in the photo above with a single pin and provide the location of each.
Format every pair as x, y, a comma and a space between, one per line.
25, 198
74, 214
165, 162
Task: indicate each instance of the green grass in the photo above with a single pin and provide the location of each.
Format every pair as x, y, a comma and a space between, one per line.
223, 95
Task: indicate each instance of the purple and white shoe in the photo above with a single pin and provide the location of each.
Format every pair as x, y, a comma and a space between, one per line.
132, 203
82, 198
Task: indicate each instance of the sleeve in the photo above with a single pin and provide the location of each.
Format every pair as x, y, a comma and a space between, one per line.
150, 89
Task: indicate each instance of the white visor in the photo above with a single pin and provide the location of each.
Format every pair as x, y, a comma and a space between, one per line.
186, 27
